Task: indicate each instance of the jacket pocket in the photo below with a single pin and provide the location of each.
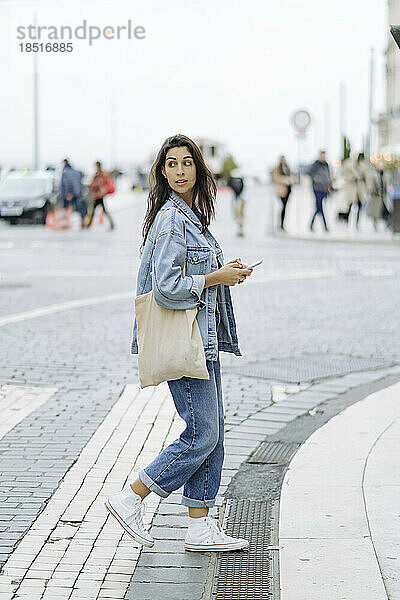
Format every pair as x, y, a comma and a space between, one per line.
197, 261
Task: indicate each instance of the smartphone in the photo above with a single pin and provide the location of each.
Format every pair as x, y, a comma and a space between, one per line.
255, 264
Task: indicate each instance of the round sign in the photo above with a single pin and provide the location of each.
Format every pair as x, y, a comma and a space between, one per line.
301, 120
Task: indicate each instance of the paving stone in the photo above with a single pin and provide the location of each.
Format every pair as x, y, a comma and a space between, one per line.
187, 559
168, 533
332, 386
169, 521
232, 440
171, 574
301, 404
309, 395
270, 415
281, 408
169, 546
160, 591
165, 508
243, 434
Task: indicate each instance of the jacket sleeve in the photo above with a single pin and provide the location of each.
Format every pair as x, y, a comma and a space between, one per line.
170, 289
312, 170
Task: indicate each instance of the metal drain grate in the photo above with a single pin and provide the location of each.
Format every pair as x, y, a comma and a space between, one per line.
251, 574
273, 453
307, 367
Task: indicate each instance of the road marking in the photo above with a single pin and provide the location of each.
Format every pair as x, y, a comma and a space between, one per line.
263, 278
377, 272
75, 273
55, 308
18, 401
74, 549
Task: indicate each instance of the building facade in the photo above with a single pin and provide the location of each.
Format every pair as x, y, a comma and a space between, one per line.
389, 122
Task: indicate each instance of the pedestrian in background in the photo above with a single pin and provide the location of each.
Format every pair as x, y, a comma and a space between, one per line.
236, 183
182, 266
322, 184
71, 192
362, 184
350, 177
283, 179
100, 186
378, 203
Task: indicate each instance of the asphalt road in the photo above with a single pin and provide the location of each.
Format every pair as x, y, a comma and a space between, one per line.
306, 298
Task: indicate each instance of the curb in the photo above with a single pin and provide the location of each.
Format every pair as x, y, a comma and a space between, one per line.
394, 241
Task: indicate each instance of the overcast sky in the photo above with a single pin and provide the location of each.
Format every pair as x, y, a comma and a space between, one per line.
229, 70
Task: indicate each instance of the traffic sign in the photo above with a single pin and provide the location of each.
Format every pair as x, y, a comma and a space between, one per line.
301, 120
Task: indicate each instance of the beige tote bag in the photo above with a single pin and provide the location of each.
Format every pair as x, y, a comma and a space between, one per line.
169, 342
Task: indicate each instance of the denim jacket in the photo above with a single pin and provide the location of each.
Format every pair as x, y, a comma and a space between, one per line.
165, 253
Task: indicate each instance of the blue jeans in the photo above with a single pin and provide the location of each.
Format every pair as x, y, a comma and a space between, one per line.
195, 459
319, 207
78, 203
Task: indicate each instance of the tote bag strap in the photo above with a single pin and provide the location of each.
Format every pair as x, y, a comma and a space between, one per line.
184, 264
184, 226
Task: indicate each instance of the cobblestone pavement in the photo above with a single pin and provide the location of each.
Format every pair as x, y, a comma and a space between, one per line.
77, 426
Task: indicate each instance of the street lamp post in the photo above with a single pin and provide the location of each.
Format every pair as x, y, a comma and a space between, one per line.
35, 106
371, 104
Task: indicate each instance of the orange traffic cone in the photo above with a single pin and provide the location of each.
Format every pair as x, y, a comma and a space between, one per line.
67, 222
50, 219
58, 219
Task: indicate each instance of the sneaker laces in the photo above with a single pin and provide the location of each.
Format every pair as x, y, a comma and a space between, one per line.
216, 529
137, 515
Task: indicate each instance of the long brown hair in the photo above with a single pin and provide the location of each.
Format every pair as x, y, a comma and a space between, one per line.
204, 191
280, 166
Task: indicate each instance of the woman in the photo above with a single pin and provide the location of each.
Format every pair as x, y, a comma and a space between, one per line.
378, 197
99, 188
175, 234
236, 183
349, 196
362, 184
283, 179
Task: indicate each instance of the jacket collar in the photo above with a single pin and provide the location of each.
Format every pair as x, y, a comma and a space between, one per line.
177, 201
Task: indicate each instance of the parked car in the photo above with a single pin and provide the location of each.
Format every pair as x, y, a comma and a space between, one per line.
27, 196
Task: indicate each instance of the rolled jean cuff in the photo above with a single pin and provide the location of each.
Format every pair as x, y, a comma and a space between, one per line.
153, 487
193, 503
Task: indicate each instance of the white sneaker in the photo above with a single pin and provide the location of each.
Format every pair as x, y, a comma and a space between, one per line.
206, 535
129, 509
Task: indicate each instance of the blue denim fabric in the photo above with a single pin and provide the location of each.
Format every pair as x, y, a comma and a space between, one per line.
195, 459
319, 205
165, 254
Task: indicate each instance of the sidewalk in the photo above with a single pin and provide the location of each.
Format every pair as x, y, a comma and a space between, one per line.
340, 518
75, 551
301, 208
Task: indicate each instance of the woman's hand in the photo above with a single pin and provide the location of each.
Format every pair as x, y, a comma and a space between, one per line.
238, 261
230, 274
